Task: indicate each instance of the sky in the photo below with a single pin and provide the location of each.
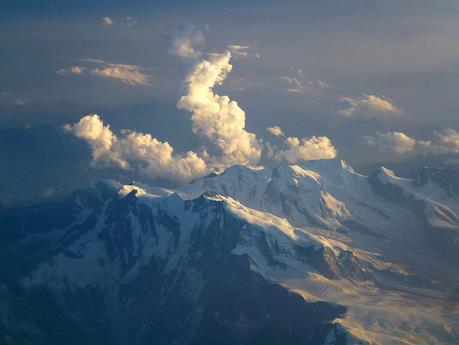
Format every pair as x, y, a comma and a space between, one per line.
166, 92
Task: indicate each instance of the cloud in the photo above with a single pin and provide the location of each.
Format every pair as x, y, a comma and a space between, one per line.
306, 149
391, 142
444, 142
136, 151
72, 70
318, 84
183, 40
243, 51
368, 103
276, 131
297, 83
107, 21
449, 141
99, 136
127, 74
130, 21
21, 101
217, 118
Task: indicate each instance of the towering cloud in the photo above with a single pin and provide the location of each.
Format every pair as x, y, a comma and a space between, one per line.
137, 151
217, 118
368, 103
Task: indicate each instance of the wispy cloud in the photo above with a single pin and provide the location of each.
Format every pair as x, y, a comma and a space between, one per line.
21, 101
130, 21
295, 85
107, 21
243, 51
276, 131
72, 70
298, 83
368, 103
183, 41
127, 74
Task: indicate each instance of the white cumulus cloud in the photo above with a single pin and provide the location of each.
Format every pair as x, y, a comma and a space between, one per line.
391, 142
299, 150
137, 151
368, 103
449, 141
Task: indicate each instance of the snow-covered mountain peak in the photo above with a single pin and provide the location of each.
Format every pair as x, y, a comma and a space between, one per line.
328, 166
386, 175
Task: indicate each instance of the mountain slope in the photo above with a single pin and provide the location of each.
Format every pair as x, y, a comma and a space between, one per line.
140, 270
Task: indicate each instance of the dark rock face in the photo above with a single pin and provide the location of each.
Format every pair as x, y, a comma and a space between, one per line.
199, 293
447, 178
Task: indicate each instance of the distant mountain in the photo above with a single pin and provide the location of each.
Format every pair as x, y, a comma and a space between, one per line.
308, 254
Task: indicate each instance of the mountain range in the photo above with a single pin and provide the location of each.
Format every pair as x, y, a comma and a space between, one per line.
314, 253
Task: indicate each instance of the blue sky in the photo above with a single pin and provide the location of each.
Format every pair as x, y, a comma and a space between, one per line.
379, 79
